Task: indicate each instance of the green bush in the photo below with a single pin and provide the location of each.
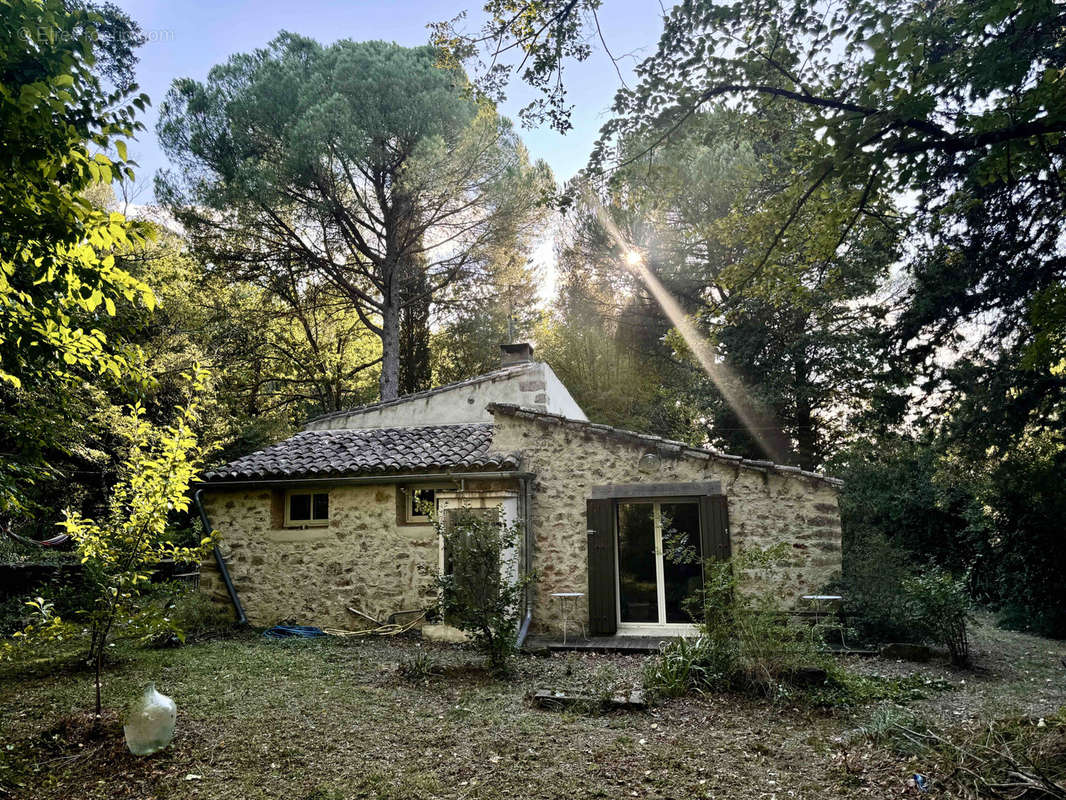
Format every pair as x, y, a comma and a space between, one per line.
476, 593
1026, 503
889, 598
687, 665
419, 667
940, 607
746, 641
872, 588
195, 614
120, 551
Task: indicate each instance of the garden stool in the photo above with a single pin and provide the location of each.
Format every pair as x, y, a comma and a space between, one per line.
833, 603
566, 598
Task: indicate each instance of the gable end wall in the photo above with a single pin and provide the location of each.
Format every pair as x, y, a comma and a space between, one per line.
535, 386
764, 509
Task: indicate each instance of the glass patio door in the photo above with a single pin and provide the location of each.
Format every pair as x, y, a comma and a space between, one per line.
660, 563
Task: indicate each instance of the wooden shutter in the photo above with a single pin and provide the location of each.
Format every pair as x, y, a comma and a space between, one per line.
603, 616
714, 526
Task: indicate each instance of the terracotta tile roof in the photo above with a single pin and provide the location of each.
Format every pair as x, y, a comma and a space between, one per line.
503, 372
666, 447
343, 453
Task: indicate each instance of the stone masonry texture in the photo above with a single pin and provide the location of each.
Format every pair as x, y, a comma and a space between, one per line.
765, 508
366, 559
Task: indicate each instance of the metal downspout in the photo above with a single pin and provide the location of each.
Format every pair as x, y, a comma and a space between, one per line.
527, 555
219, 560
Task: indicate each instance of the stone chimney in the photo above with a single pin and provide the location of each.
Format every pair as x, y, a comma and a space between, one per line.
520, 353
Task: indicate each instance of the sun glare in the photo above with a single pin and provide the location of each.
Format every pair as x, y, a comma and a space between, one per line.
758, 420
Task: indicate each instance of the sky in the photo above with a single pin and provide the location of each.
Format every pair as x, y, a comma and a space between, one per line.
187, 38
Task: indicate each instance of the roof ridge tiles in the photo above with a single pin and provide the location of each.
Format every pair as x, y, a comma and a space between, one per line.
510, 369
682, 448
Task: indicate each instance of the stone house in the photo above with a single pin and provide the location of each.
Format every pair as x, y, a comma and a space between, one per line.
335, 516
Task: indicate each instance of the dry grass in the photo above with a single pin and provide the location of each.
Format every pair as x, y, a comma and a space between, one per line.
326, 720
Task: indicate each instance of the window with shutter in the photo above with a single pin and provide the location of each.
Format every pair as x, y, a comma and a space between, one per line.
646, 554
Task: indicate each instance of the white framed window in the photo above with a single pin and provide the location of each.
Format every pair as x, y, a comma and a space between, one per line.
306, 508
659, 564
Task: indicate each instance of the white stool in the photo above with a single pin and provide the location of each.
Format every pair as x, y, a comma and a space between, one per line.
830, 603
566, 598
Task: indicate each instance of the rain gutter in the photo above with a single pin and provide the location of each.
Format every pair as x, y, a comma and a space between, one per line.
526, 492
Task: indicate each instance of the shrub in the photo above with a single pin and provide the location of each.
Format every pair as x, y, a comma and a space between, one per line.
1026, 504
120, 551
746, 641
687, 665
476, 593
872, 588
940, 607
418, 667
196, 614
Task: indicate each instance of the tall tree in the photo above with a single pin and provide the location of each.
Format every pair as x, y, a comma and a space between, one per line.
604, 340
959, 105
794, 337
364, 162
500, 304
57, 280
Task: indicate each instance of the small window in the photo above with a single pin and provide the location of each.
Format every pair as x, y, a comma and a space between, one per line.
419, 502
307, 508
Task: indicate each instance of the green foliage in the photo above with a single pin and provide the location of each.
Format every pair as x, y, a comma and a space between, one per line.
1026, 507
16, 552
793, 338
67, 594
481, 593
890, 727
957, 106
690, 664
58, 281
941, 608
844, 689
872, 588
119, 553
546, 33
746, 643
907, 501
419, 667
413, 183
476, 316
872, 86
894, 488
194, 614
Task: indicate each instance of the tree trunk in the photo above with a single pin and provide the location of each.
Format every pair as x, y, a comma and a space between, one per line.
806, 436
99, 670
414, 331
389, 383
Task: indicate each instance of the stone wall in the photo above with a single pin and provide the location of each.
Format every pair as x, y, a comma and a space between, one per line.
367, 559
364, 558
765, 508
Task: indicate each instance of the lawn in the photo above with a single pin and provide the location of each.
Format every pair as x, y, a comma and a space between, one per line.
336, 718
